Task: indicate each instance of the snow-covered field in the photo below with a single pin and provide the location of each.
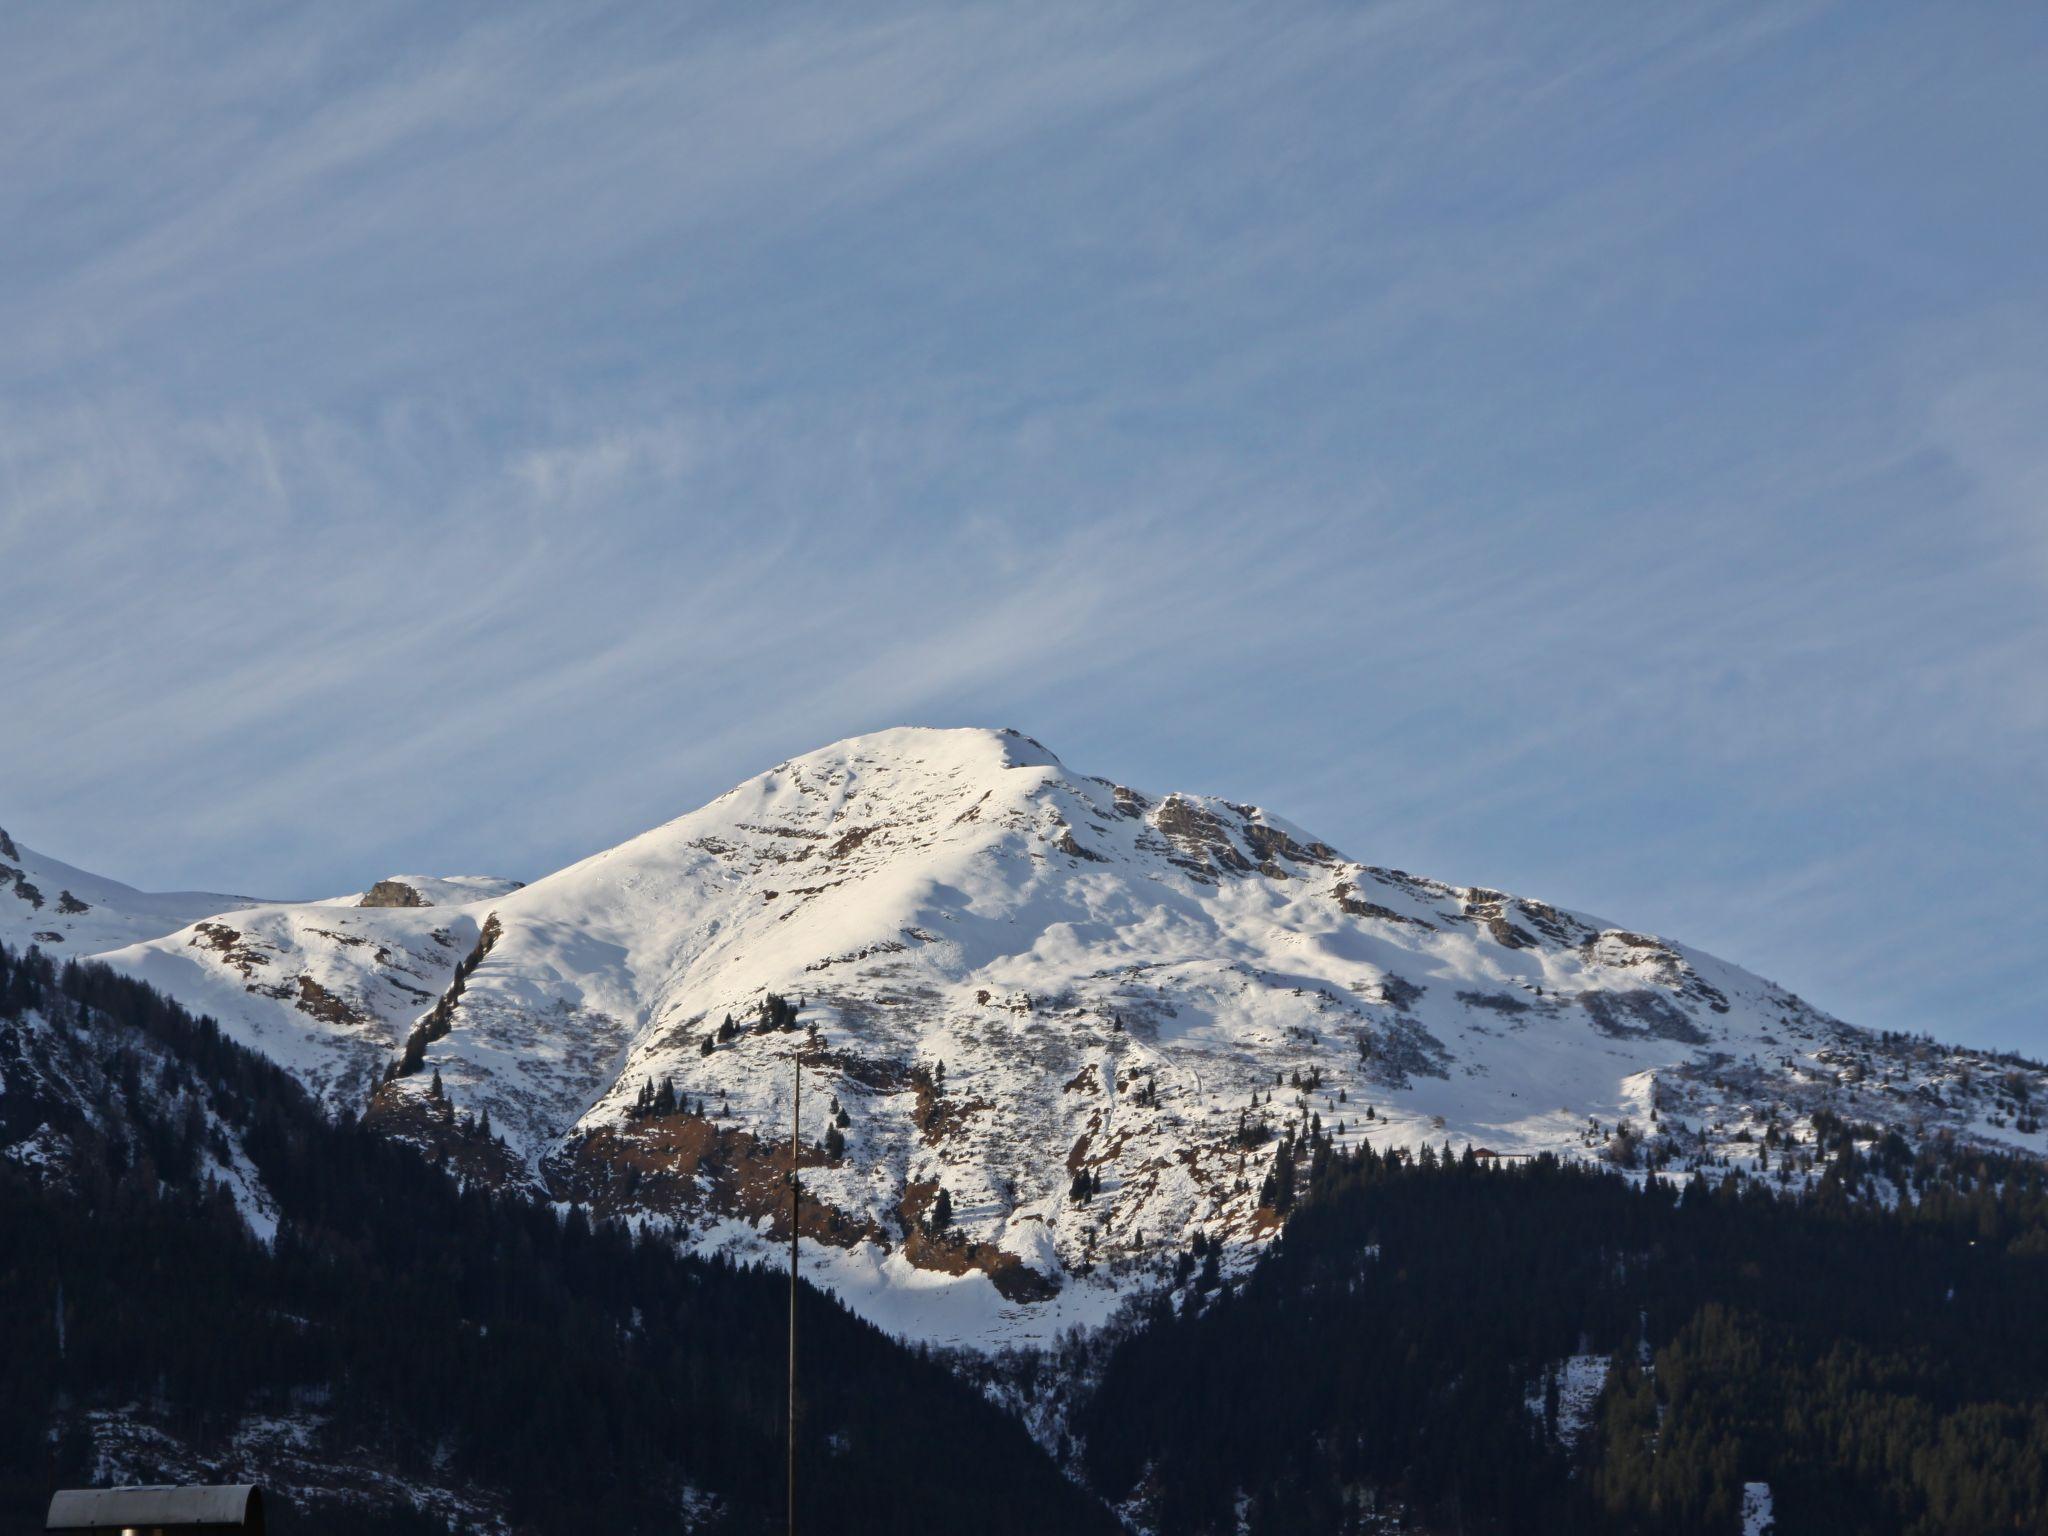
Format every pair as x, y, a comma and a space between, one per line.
1017, 974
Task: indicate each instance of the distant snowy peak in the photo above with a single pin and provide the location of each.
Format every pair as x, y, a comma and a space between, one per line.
69, 911
1090, 1015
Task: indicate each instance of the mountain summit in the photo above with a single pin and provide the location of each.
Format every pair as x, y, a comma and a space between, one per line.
1052, 1026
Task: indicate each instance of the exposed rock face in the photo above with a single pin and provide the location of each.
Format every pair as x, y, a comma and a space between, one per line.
392, 893
23, 888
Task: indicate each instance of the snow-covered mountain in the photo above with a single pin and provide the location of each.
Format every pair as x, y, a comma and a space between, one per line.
67, 911
1067, 1004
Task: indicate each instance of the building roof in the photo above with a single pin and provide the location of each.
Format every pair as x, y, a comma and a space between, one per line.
103, 1509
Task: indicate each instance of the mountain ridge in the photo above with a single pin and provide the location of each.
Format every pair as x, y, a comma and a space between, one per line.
1082, 1011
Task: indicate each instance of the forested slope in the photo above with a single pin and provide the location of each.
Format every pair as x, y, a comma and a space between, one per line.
1874, 1352
568, 1375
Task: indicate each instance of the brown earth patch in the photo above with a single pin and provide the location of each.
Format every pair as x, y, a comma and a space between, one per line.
940, 1115
432, 1127
1077, 1155
688, 1165
953, 1253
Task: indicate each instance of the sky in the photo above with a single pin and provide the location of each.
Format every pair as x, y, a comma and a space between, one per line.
1595, 451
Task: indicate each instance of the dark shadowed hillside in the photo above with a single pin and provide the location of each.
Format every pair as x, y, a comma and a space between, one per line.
400, 1338
1549, 1348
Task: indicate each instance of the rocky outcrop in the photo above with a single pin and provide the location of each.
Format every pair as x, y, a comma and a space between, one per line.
1359, 907
1201, 843
322, 1004
393, 893
229, 944
9, 875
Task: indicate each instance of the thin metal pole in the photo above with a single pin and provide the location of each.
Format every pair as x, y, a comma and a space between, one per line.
796, 1105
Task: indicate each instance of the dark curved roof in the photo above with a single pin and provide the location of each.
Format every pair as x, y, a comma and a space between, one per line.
102, 1509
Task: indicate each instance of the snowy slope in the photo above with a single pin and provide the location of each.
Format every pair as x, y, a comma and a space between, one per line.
71, 912
1017, 973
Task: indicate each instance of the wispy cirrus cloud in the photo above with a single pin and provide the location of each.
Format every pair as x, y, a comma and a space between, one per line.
1579, 452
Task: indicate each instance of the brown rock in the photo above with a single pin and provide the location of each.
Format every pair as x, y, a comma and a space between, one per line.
392, 893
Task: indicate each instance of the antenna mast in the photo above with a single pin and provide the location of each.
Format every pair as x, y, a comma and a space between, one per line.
796, 1102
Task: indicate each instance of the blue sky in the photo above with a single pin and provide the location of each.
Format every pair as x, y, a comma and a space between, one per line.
1594, 451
